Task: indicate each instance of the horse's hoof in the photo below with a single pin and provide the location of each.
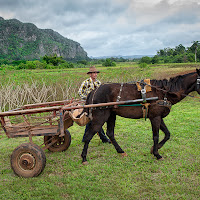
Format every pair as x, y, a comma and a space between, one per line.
85, 163
160, 159
124, 154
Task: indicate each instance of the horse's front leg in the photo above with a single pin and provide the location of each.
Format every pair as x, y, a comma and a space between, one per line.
155, 123
110, 134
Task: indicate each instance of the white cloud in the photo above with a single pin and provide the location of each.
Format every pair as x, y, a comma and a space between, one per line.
113, 27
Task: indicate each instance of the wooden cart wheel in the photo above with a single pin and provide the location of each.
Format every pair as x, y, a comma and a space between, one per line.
28, 160
61, 144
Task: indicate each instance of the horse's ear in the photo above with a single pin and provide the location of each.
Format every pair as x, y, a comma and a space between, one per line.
198, 71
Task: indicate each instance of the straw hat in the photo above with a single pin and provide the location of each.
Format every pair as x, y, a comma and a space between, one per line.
92, 70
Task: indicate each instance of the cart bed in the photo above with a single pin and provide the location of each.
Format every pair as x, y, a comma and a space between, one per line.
15, 131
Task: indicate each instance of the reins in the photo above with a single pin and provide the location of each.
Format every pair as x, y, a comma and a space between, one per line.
163, 90
186, 95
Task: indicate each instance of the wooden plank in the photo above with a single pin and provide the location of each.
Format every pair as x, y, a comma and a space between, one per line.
46, 104
37, 131
30, 111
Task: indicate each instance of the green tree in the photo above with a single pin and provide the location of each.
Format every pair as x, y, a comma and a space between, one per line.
169, 51
194, 48
180, 49
84, 62
145, 59
108, 62
155, 59
54, 60
190, 57
178, 58
46, 59
161, 52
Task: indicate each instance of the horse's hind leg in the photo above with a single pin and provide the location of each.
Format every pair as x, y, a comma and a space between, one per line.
164, 128
156, 122
89, 135
91, 130
110, 133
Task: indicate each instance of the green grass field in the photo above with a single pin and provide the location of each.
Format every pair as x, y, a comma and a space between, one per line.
108, 175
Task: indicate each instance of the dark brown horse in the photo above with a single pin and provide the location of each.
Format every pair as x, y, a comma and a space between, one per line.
174, 90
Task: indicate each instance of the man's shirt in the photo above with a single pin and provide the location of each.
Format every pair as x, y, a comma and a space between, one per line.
87, 86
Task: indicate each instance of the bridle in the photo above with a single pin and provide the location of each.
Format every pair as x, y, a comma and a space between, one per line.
165, 91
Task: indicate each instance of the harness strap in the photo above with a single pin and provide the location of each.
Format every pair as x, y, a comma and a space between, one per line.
143, 90
131, 105
120, 91
145, 109
198, 82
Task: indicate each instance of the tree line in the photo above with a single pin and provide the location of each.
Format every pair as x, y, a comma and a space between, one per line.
179, 54
55, 62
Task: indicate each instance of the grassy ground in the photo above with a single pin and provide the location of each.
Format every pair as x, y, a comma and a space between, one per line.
108, 175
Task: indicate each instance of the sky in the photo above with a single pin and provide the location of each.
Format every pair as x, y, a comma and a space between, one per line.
113, 27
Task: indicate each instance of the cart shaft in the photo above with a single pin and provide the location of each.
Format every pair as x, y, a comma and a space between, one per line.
108, 104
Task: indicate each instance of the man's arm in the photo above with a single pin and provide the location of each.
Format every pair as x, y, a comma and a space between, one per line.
82, 90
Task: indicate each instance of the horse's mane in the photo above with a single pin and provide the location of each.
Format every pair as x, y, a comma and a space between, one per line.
174, 84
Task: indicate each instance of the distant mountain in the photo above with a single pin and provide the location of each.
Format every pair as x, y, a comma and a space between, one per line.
24, 41
125, 57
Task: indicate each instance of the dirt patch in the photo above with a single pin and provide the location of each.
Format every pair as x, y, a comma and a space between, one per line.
184, 72
170, 73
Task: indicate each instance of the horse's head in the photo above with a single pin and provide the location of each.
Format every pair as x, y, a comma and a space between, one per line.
198, 81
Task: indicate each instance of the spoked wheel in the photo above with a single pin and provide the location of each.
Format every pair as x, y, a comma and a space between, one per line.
28, 160
60, 143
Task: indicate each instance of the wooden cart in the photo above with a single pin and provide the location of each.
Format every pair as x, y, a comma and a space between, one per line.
44, 119
28, 159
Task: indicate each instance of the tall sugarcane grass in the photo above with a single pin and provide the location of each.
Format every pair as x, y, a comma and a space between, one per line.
13, 96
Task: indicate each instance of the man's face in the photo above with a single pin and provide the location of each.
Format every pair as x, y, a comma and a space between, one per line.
93, 76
